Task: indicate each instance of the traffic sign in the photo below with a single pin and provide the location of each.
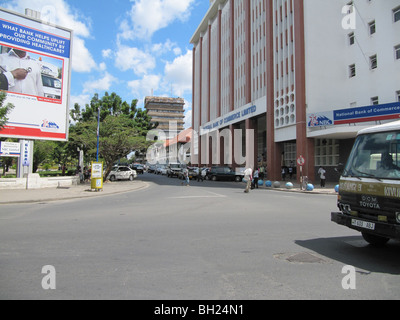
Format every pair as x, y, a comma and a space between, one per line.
301, 161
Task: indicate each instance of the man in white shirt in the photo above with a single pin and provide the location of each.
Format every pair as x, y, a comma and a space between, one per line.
248, 176
321, 173
23, 74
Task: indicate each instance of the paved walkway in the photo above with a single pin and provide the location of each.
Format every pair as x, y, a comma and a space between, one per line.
84, 191
65, 193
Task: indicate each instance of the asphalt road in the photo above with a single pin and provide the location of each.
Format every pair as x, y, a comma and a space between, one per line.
206, 241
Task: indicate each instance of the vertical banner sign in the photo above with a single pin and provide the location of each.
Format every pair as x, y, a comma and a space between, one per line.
97, 175
35, 68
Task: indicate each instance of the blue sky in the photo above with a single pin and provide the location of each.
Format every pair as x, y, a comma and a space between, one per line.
130, 47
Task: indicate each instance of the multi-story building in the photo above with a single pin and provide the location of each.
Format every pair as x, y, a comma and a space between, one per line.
299, 78
168, 113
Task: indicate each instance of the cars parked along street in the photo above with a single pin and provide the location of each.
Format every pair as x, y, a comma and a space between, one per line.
122, 173
225, 173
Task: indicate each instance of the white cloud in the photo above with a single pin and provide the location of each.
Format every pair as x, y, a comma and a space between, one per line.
188, 119
163, 13
60, 13
82, 100
145, 86
82, 60
107, 53
102, 84
132, 58
167, 46
179, 74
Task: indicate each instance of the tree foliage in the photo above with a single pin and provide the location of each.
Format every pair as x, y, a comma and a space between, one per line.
4, 109
123, 128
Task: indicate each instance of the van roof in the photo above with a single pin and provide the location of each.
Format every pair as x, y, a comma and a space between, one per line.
391, 126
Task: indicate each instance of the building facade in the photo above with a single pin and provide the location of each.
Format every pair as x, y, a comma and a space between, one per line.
168, 113
279, 80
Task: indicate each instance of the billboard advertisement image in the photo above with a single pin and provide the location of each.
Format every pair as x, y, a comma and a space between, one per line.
35, 64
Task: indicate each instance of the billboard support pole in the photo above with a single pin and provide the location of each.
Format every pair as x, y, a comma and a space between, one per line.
98, 133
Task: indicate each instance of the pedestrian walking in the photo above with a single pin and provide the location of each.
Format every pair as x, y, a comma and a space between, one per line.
248, 176
186, 176
322, 176
199, 175
262, 172
255, 178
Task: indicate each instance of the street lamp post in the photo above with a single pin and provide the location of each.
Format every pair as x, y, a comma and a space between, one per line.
98, 133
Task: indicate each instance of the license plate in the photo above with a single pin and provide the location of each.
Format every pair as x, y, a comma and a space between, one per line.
363, 224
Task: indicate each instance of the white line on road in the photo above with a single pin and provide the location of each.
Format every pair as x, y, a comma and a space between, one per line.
213, 195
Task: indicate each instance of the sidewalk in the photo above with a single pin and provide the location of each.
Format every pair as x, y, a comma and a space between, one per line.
109, 188
67, 193
329, 188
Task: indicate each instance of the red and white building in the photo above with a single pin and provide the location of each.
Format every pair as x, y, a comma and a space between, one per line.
299, 77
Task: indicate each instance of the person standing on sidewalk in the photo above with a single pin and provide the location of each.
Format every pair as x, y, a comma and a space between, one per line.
248, 176
322, 176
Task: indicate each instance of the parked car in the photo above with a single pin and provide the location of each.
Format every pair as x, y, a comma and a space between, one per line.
192, 171
224, 173
174, 169
151, 168
122, 173
161, 169
139, 168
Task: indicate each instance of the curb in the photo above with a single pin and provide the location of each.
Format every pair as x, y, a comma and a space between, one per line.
82, 195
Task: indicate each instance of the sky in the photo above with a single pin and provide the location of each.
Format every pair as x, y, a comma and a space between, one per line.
134, 48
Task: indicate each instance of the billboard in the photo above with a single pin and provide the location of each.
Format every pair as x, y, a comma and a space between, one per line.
35, 69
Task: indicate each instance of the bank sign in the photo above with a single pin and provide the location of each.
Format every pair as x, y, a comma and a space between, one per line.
388, 111
246, 112
40, 55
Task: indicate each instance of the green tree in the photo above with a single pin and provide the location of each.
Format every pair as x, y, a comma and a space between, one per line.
4, 109
123, 128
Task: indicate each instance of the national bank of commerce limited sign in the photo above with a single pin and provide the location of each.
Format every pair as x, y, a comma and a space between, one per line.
246, 112
354, 115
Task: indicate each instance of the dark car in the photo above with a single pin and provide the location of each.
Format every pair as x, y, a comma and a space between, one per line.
139, 168
224, 173
192, 172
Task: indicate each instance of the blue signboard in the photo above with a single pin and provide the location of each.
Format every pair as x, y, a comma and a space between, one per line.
33, 39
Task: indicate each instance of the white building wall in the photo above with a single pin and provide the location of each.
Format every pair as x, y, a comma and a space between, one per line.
284, 74
329, 55
214, 70
240, 54
225, 58
258, 54
205, 80
196, 89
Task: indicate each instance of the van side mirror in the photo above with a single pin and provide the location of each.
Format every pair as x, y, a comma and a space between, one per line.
339, 169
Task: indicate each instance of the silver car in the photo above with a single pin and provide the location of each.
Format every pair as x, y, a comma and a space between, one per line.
122, 173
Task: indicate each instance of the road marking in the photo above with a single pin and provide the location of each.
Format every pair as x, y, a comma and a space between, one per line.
213, 195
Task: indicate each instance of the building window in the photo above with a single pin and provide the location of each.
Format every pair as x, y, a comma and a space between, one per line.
289, 158
396, 14
351, 38
326, 152
372, 27
397, 52
374, 101
352, 70
373, 62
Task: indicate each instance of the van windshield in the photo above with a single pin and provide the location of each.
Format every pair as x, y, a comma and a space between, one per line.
375, 155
